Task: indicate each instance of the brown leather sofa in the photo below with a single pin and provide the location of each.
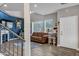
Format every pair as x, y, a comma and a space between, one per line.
39, 37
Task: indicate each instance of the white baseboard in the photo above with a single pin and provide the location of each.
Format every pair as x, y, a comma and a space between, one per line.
77, 49
66, 47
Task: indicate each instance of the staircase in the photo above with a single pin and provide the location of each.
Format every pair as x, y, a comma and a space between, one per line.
12, 47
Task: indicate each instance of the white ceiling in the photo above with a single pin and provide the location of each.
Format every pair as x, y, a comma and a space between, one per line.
13, 6
48, 8
14, 9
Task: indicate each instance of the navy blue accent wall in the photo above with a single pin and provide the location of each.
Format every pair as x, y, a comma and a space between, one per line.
5, 17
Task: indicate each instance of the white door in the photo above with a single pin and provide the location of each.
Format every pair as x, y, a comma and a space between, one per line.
69, 32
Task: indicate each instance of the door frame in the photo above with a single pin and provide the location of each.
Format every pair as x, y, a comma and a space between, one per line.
58, 34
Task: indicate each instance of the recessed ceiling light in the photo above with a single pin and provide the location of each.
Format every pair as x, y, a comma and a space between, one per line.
5, 5
31, 12
35, 5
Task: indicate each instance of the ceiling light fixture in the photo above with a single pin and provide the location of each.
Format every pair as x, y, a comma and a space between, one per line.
31, 12
5, 5
35, 5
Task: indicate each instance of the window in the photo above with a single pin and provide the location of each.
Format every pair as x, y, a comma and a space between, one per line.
3, 23
48, 24
42, 26
9, 24
19, 24
37, 26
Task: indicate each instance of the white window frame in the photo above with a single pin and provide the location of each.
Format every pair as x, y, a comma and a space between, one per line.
45, 29
44, 25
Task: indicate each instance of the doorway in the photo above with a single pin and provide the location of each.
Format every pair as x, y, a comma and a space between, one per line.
69, 32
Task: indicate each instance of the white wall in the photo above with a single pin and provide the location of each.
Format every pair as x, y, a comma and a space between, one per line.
51, 16
37, 17
16, 13
70, 11
69, 32
27, 29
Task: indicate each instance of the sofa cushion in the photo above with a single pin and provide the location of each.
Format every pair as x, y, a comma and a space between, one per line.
39, 37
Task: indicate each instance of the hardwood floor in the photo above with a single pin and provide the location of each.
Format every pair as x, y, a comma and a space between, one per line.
11, 48
50, 50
